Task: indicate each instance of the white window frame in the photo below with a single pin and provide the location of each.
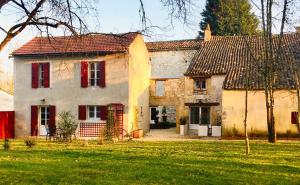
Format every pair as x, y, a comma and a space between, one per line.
96, 72
41, 75
94, 109
47, 113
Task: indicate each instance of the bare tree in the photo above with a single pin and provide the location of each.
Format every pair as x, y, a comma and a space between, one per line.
271, 58
69, 15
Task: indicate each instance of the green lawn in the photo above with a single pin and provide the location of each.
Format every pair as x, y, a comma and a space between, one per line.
196, 162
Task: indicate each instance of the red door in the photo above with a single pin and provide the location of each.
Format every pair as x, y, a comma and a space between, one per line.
7, 124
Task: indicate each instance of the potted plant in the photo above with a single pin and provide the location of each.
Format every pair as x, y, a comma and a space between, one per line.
183, 121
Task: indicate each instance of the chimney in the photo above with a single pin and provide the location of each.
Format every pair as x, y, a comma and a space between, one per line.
207, 33
297, 29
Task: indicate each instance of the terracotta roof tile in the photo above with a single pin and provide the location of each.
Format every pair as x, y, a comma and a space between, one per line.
105, 43
191, 44
229, 55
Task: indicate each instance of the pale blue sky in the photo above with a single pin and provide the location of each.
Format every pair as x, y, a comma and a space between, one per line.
118, 16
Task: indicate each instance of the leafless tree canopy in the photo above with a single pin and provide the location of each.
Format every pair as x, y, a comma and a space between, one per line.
69, 15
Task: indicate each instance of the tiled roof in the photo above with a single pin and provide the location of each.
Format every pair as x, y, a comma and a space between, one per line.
229, 55
191, 44
96, 43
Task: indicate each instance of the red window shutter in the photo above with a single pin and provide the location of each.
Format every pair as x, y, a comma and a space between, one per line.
52, 113
294, 117
34, 75
103, 112
102, 74
46, 67
34, 120
82, 112
84, 74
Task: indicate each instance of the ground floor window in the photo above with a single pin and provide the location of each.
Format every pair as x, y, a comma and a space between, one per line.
94, 112
199, 115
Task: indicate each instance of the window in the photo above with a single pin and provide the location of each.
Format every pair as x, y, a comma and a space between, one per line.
200, 115
199, 85
94, 74
195, 115
159, 88
94, 112
41, 75
45, 115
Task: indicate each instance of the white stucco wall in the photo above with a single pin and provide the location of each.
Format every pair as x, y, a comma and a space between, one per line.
6, 101
170, 64
234, 112
139, 82
65, 90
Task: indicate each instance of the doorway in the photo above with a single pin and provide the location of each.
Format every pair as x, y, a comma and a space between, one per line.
199, 115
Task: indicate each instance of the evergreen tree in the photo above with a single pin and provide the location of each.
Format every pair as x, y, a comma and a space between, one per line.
229, 17
209, 15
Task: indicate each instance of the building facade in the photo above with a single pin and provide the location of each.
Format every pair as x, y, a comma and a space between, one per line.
83, 77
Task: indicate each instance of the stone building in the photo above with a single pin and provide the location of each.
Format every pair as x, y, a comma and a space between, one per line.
222, 63
169, 61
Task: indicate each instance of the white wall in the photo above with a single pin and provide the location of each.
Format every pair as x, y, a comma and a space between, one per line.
65, 90
6, 101
170, 64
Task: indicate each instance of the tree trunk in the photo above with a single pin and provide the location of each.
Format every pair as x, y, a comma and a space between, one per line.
245, 124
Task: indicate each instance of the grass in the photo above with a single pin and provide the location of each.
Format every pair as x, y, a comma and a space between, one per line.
194, 162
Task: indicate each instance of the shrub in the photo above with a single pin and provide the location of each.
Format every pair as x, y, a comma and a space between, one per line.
6, 144
183, 120
30, 142
110, 131
66, 126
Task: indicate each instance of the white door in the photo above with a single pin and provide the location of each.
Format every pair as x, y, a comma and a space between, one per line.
44, 119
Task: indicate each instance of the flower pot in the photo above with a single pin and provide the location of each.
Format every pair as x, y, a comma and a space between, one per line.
182, 130
138, 133
202, 130
216, 131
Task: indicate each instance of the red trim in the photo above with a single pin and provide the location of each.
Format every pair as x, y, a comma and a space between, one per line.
82, 112
103, 112
294, 117
52, 112
7, 124
84, 74
46, 67
34, 120
34, 75
102, 74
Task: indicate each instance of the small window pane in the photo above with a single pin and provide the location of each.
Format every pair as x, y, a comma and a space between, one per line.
91, 112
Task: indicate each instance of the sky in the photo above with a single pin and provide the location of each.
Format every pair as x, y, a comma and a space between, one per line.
117, 16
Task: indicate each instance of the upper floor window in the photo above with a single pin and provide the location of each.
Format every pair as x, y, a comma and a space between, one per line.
159, 88
199, 85
94, 76
40, 75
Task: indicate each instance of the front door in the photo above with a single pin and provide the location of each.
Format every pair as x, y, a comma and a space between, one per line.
199, 115
44, 120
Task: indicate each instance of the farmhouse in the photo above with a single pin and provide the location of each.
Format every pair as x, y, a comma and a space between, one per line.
82, 75
201, 79
219, 73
